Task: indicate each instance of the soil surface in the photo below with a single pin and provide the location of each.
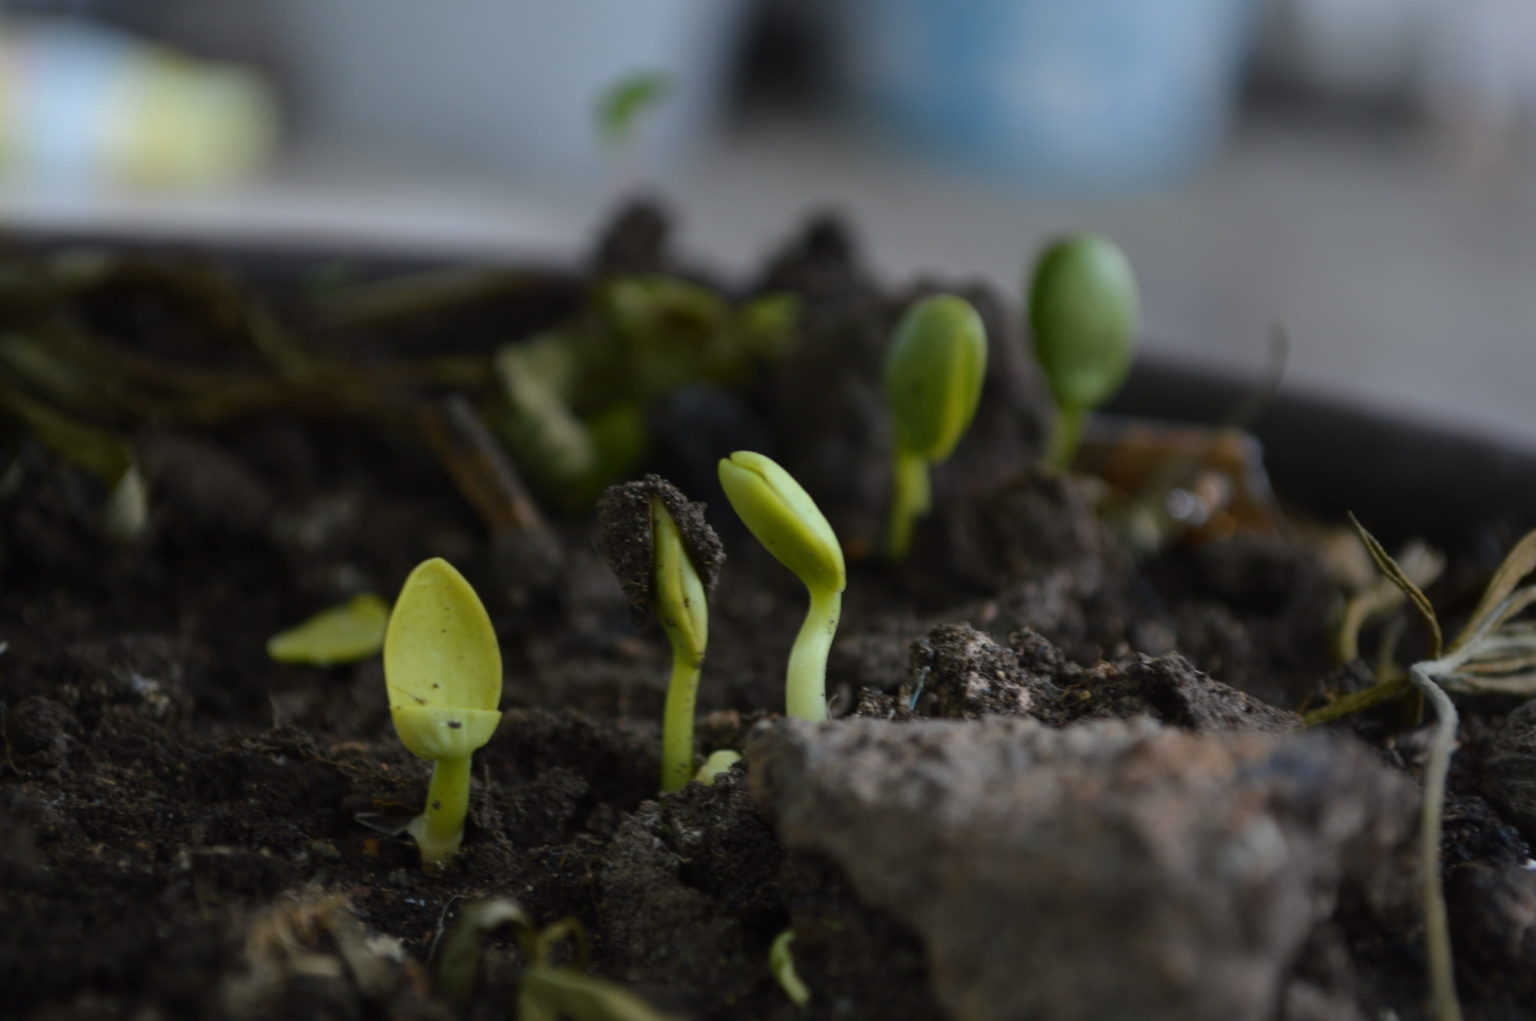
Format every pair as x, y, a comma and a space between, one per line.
1066, 777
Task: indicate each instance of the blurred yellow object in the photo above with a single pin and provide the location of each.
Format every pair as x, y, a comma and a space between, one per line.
84, 108
192, 124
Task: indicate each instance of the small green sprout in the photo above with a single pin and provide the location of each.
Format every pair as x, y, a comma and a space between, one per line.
124, 512
443, 671
718, 762
458, 948
933, 375
1083, 312
548, 993
782, 965
621, 104
785, 520
546, 990
342, 634
667, 560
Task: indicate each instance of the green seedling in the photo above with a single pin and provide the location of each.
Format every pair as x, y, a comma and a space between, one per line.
342, 634
572, 401
718, 762
667, 560
458, 948
1493, 654
550, 994
933, 375
784, 519
547, 991
782, 966
1083, 312
124, 510
443, 671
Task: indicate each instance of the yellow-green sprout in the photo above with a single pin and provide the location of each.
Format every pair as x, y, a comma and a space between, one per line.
781, 963
1083, 312
785, 520
623, 103
443, 670
683, 611
341, 634
546, 991
666, 558
718, 762
933, 375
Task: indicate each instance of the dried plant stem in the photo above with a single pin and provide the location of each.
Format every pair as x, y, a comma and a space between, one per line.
1357, 701
1442, 971
1066, 434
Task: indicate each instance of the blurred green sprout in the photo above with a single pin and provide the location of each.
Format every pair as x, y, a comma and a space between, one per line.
342, 634
1083, 313
101, 453
573, 400
781, 964
718, 762
547, 991
626, 101
934, 370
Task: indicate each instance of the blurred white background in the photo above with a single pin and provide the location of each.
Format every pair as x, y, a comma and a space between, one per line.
1359, 170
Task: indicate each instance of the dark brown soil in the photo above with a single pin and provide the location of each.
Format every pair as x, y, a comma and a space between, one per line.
177, 831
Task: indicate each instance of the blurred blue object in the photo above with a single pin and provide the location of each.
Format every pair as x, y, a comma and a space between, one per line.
1070, 94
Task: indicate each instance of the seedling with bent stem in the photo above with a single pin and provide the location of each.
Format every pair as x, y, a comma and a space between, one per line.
933, 375
547, 990
667, 560
1083, 310
718, 762
443, 671
786, 520
781, 964
1494, 653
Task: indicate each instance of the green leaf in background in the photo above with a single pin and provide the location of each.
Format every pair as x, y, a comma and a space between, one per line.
101, 453
550, 993
623, 102
341, 634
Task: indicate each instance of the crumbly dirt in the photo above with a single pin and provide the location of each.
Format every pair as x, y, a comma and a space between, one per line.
178, 813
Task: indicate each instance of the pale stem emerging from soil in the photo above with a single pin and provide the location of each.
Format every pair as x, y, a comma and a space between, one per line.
440, 828
806, 682
1442, 972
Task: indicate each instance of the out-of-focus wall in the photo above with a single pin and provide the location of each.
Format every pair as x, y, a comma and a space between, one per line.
505, 83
